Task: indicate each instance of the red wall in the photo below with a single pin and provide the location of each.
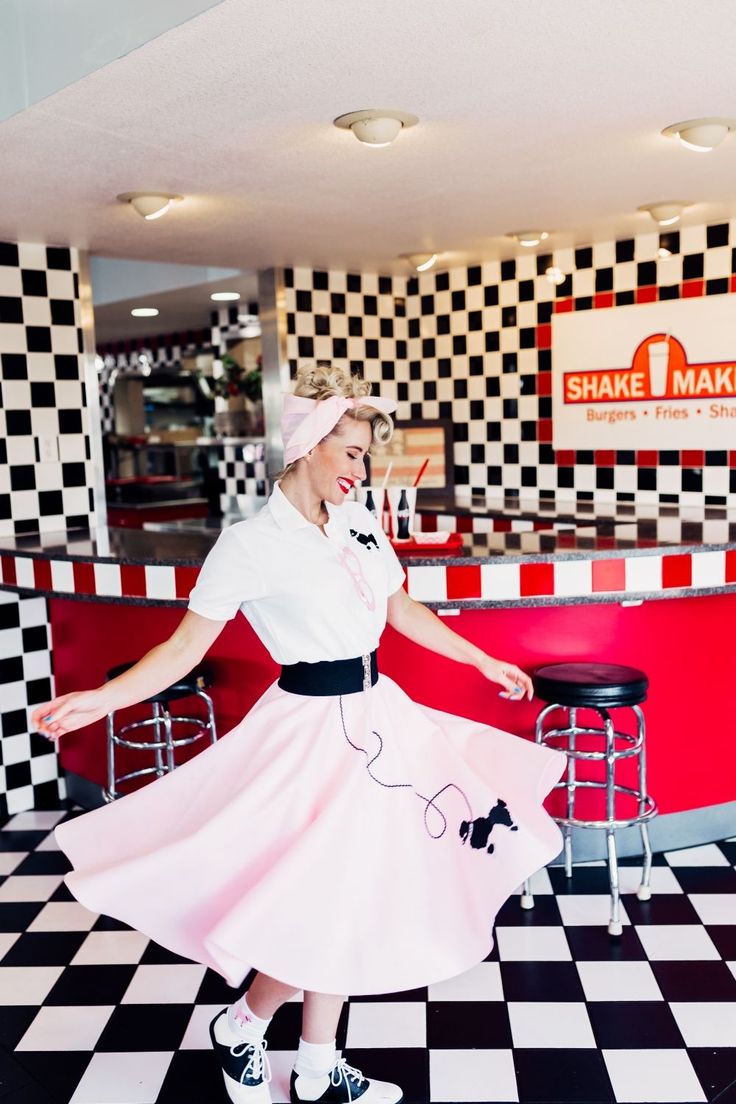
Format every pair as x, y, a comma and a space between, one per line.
685, 646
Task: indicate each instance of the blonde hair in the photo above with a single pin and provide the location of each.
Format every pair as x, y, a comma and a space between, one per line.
322, 381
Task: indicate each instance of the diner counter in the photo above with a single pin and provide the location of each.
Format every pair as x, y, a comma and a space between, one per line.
512, 554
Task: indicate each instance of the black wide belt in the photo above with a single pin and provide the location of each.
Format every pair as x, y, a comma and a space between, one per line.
330, 677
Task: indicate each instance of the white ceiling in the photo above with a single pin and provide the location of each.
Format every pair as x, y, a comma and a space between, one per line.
531, 114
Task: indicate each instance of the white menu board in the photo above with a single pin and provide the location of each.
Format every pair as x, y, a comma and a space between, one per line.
650, 376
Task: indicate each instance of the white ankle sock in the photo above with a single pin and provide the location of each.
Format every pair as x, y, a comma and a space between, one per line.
243, 1021
315, 1059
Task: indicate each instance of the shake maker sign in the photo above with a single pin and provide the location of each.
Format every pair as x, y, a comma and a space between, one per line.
661, 375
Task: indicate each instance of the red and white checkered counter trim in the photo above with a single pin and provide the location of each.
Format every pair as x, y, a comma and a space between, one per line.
525, 581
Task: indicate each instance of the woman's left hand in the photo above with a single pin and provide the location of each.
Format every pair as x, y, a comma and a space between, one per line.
516, 683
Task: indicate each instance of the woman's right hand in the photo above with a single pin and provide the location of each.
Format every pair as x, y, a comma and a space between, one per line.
69, 711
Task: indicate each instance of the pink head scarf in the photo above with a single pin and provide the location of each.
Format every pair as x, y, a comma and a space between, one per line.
306, 422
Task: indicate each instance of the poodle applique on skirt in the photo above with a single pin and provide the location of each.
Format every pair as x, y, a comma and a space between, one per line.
351, 845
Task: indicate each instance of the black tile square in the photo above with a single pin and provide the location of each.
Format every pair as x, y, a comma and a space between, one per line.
370, 305
190, 1079
584, 257
304, 301
15, 916
695, 981
142, 1027
562, 1077
34, 282
624, 250
474, 275
716, 235
468, 1024
14, 366
91, 985
9, 254
354, 282
44, 949
706, 879
11, 311
320, 281
38, 339
541, 981
62, 312
43, 394
18, 423
492, 341
405, 1066
724, 937
716, 1070
508, 270
634, 1025
692, 266
214, 990
585, 879
594, 944
662, 908
14, 1022
490, 295
58, 258
604, 279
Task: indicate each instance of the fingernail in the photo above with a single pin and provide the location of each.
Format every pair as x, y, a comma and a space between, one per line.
48, 717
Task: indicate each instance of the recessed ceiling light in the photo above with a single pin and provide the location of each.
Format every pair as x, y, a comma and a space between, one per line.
701, 135
555, 275
528, 238
667, 212
224, 296
663, 252
376, 126
144, 312
420, 261
149, 205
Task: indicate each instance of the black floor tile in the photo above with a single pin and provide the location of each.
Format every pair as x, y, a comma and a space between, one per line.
133, 1027
724, 937
634, 1025
729, 850
21, 841
91, 985
706, 879
285, 1029
18, 1085
716, 1070
468, 1025
16, 916
403, 995
194, 1077
541, 981
156, 955
59, 1072
109, 923
585, 879
696, 981
44, 862
594, 944
662, 908
15, 1019
405, 1066
215, 990
562, 1077
62, 893
44, 949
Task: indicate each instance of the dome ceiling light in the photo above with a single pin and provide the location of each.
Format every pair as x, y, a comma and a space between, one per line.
701, 135
555, 275
144, 312
420, 261
667, 212
224, 296
528, 238
150, 205
376, 126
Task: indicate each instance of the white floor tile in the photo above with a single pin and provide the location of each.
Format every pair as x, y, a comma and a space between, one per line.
550, 1024
77, 1027
9, 860
618, 981
27, 984
472, 1075
102, 948
48, 844
587, 908
123, 1078
197, 1034
715, 908
167, 984
711, 1024
662, 880
654, 1076
58, 916
387, 1024
7, 939
676, 942
540, 883
483, 982
34, 821
29, 887
543, 944
708, 854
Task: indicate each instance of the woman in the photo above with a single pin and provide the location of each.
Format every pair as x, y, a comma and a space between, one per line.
341, 839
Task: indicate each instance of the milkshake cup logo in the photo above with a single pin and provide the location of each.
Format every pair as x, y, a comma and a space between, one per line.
659, 364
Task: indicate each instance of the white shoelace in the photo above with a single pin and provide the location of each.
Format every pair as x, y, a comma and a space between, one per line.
258, 1065
343, 1071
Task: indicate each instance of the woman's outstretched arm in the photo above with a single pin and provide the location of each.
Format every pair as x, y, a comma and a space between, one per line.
160, 667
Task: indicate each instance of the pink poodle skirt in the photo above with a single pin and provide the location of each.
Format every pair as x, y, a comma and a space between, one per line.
352, 845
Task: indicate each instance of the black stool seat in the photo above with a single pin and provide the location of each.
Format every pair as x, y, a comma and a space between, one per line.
604, 685
198, 679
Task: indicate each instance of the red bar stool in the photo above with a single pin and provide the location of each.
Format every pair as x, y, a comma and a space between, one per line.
162, 722
600, 687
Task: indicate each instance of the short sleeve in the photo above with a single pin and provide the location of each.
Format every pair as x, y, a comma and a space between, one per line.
229, 576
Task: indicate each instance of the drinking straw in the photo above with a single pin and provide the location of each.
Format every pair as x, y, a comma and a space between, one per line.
420, 473
385, 478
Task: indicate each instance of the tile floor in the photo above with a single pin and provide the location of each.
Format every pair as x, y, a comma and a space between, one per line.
94, 1013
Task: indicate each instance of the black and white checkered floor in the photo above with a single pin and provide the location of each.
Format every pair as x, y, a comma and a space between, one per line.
95, 1013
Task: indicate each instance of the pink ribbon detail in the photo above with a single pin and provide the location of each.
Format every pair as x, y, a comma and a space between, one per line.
306, 422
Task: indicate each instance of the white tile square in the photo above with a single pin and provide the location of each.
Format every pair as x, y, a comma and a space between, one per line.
499, 581
160, 581
48, 844
77, 1027
108, 579
27, 984
63, 916
715, 908
34, 821
482, 983
472, 1075
661, 880
111, 948
30, 887
676, 942
387, 1024
587, 908
573, 577
708, 569
62, 576
7, 939
9, 860
165, 984
542, 944
550, 1024
643, 573
711, 1024
197, 1034
618, 981
653, 1076
707, 854
540, 882
129, 1078
425, 583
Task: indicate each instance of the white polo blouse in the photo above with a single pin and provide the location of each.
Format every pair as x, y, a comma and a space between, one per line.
309, 595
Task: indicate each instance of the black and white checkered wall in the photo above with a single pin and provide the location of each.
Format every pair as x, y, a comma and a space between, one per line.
473, 345
45, 484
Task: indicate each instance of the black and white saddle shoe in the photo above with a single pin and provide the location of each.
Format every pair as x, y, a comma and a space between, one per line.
343, 1085
245, 1065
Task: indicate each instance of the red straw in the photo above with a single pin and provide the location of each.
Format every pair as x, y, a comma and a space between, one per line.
420, 473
